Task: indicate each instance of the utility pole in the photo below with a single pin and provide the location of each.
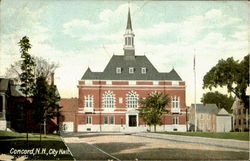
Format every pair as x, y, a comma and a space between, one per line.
195, 114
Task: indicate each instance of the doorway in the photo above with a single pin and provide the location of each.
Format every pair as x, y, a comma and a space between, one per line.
132, 121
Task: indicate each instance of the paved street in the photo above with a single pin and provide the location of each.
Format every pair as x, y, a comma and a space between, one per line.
150, 146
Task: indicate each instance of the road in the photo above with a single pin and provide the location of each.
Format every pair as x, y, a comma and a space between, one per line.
150, 146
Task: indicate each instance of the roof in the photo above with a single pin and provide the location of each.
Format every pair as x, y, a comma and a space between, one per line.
207, 108
15, 91
129, 24
223, 112
137, 63
7, 84
4, 84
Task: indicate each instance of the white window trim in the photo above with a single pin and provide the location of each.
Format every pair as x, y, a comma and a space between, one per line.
109, 100
118, 70
175, 102
107, 120
89, 120
143, 70
132, 102
110, 120
175, 120
130, 70
89, 101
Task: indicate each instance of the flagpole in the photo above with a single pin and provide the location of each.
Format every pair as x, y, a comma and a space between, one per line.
195, 114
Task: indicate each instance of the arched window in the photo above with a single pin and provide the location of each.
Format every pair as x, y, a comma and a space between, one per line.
132, 100
108, 100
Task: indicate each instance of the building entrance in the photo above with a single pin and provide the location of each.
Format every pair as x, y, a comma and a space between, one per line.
132, 121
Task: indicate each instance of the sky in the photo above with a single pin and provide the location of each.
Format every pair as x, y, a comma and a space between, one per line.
79, 34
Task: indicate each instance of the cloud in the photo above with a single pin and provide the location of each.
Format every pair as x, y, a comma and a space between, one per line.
213, 34
87, 30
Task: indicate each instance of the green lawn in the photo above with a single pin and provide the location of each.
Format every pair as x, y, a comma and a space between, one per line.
51, 147
232, 135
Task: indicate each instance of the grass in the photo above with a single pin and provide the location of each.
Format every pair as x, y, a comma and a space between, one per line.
244, 136
11, 141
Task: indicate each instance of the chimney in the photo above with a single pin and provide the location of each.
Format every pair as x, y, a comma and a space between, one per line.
52, 78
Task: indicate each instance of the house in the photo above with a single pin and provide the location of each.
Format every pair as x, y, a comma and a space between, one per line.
209, 118
14, 112
11, 105
108, 100
240, 116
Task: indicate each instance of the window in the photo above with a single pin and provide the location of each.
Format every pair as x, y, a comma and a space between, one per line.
208, 116
109, 100
239, 121
131, 70
105, 119
89, 120
245, 121
143, 70
111, 120
129, 41
201, 116
175, 102
239, 111
175, 120
118, 70
208, 126
89, 101
132, 100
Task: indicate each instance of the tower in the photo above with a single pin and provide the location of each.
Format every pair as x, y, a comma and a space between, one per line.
129, 48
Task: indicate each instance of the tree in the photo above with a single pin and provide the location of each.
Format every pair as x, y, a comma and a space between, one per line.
232, 74
43, 68
221, 100
153, 107
45, 101
27, 74
27, 68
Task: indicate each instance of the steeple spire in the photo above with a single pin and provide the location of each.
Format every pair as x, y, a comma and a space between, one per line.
129, 49
129, 24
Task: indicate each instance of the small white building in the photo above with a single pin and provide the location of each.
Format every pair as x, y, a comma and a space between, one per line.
209, 118
223, 121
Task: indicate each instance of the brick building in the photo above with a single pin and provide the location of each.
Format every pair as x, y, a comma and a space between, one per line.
108, 100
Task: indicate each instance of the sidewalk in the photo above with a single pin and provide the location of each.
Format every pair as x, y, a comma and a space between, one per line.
227, 143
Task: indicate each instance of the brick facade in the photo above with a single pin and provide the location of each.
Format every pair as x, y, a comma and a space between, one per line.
108, 100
